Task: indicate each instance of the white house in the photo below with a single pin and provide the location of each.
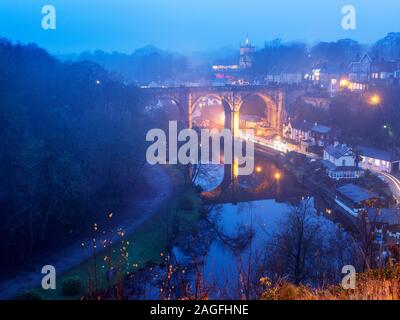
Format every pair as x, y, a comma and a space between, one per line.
298, 131
310, 134
378, 160
360, 72
340, 162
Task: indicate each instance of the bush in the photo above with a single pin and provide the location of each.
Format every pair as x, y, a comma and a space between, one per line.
71, 286
186, 203
30, 295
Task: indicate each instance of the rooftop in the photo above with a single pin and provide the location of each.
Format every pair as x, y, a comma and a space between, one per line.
377, 153
302, 125
321, 129
385, 66
338, 151
355, 193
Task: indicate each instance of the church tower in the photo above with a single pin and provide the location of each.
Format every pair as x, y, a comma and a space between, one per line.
247, 50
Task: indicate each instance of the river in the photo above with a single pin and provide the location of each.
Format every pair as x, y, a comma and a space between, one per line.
228, 253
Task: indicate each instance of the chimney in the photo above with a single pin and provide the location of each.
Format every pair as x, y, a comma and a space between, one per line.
335, 143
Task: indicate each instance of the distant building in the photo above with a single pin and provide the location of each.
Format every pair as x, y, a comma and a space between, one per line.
359, 74
321, 135
225, 74
307, 133
247, 51
330, 79
228, 72
284, 78
327, 77
356, 200
317, 101
369, 71
251, 122
384, 223
385, 72
340, 162
298, 130
378, 160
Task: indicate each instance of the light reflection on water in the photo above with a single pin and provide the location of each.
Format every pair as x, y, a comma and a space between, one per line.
209, 176
223, 259
222, 264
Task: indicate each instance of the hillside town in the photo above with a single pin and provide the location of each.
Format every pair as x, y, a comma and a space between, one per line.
362, 178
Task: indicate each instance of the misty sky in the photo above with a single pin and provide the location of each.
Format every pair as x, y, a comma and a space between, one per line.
188, 25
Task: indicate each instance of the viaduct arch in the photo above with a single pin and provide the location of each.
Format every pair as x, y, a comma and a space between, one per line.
232, 98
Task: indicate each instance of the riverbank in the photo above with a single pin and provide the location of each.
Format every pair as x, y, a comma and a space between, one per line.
142, 239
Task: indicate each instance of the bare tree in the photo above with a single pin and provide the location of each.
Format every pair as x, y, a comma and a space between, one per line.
294, 245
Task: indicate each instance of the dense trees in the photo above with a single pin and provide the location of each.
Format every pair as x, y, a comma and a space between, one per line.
388, 48
70, 148
278, 57
144, 66
150, 64
359, 121
337, 54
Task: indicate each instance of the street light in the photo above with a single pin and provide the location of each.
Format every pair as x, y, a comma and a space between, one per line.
375, 100
258, 169
278, 176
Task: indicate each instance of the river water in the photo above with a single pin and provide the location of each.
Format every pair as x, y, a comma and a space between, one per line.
228, 249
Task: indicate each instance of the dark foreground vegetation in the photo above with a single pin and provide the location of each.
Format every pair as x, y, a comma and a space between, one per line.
69, 151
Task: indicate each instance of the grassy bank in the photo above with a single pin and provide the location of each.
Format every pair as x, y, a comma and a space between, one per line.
382, 284
177, 216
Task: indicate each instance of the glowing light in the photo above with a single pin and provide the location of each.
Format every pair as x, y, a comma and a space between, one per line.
236, 167
344, 83
222, 118
375, 99
277, 176
258, 169
236, 121
222, 67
